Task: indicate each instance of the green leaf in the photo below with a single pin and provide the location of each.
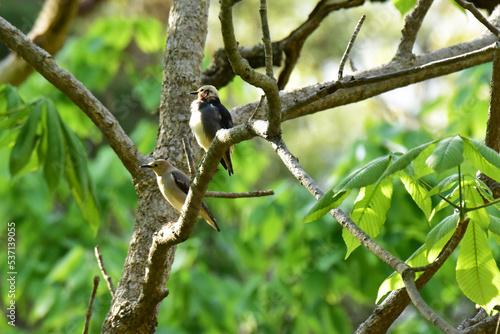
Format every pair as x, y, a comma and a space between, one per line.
329, 201
90, 209
15, 118
441, 230
404, 6
447, 154
419, 163
76, 165
494, 225
418, 192
53, 169
483, 158
403, 161
477, 272
26, 140
366, 175
474, 199
369, 212
9, 98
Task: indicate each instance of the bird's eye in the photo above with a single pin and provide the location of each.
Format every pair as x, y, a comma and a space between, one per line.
156, 165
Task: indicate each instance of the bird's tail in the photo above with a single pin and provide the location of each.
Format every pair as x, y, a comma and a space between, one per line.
207, 215
226, 160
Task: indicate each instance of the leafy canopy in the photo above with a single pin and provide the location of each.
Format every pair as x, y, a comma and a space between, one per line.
477, 273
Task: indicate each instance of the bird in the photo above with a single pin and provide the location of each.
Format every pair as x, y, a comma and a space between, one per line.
174, 186
208, 115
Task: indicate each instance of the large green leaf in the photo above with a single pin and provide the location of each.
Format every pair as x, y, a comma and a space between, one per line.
483, 158
329, 201
76, 165
441, 230
447, 154
366, 175
401, 162
477, 272
420, 167
53, 168
473, 199
26, 140
418, 192
369, 211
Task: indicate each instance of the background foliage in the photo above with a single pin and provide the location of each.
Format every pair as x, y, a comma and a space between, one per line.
265, 272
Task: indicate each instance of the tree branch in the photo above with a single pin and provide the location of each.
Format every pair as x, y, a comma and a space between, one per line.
108, 279
91, 304
292, 45
477, 14
413, 22
421, 305
76, 91
394, 304
259, 193
426, 66
347, 51
243, 69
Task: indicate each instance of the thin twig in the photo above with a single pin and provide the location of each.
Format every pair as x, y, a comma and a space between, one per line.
259, 105
108, 279
444, 198
421, 305
189, 157
266, 38
220, 194
91, 303
349, 46
477, 14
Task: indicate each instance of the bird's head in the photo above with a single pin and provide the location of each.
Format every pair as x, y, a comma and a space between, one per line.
158, 166
205, 92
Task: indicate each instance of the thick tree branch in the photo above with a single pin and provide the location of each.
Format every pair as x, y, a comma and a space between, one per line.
424, 67
76, 91
413, 22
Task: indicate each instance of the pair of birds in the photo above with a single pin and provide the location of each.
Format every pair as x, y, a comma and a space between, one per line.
208, 115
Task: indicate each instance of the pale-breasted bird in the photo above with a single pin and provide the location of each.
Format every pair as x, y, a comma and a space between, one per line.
208, 115
174, 185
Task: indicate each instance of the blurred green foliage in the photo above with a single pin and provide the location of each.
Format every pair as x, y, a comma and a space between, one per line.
266, 272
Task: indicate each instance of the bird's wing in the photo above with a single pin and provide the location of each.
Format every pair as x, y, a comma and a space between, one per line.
181, 180
226, 119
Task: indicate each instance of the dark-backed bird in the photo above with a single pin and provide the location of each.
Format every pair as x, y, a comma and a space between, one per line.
208, 116
174, 186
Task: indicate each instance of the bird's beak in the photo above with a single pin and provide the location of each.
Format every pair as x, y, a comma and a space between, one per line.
146, 166
194, 93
